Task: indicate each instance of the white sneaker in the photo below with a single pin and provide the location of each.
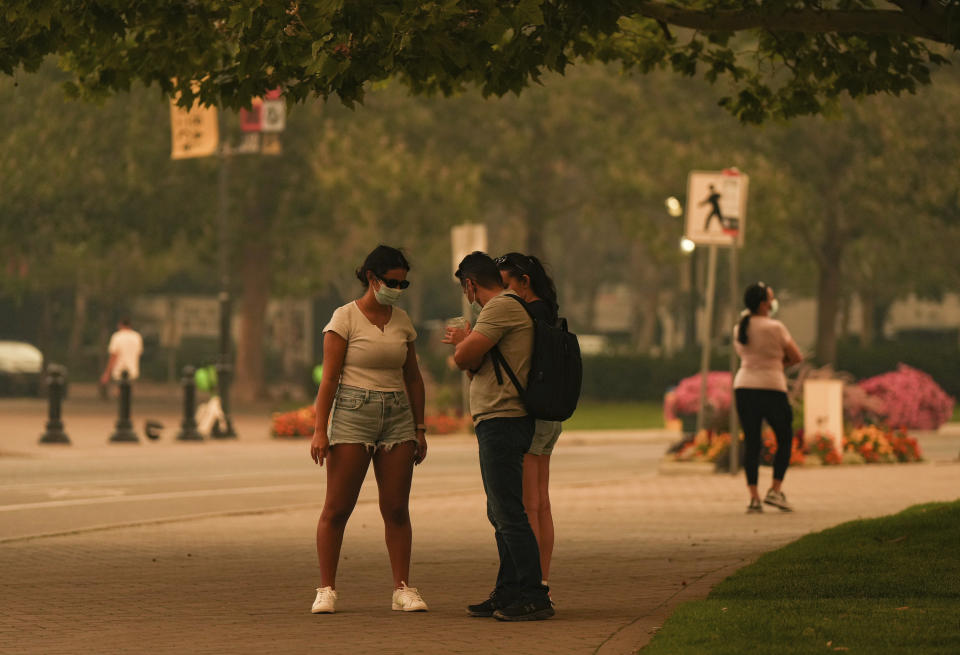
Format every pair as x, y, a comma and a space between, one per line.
407, 599
326, 599
779, 500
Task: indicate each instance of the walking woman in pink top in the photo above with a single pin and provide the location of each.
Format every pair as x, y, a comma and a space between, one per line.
765, 348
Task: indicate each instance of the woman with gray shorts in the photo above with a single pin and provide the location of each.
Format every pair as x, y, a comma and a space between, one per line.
372, 386
525, 276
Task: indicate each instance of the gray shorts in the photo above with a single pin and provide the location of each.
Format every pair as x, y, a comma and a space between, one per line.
545, 437
376, 419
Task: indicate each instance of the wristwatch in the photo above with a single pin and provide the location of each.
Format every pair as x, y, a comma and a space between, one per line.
421, 426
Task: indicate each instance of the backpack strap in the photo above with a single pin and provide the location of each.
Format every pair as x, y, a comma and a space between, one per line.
499, 360
523, 303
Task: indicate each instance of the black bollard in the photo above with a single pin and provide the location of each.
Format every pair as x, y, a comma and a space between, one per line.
124, 429
224, 431
56, 378
188, 428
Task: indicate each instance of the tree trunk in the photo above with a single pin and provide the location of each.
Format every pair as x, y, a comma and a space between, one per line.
46, 328
77, 327
828, 299
650, 303
867, 305
535, 223
881, 309
255, 259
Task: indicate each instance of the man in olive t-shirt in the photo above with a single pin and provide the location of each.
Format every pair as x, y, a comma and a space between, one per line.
504, 432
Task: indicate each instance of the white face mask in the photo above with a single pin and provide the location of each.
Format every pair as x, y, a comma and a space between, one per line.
474, 305
387, 296
774, 308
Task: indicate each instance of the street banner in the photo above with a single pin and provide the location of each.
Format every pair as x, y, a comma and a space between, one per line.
194, 132
716, 207
267, 114
251, 119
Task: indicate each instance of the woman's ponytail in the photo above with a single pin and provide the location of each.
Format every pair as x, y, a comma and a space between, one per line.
742, 328
754, 295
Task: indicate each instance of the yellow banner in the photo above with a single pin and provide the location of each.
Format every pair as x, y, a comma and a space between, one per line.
194, 132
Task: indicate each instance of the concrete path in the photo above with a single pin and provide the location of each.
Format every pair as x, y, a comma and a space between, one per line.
208, 548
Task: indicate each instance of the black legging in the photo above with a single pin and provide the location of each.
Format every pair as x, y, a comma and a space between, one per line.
753, 406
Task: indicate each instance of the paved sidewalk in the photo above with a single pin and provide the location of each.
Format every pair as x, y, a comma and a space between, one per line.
629, 548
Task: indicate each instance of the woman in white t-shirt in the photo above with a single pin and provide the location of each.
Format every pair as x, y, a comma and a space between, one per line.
765, 348
372, 386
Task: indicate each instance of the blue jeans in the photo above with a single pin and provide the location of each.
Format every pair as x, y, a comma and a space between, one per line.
503, 442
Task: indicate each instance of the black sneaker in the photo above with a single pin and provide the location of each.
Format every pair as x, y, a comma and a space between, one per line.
487, 607
526, 610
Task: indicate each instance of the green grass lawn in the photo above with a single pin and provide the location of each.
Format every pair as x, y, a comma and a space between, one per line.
880, 586
615, 416
956, 413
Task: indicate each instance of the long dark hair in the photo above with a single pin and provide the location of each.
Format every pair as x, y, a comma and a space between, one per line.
380, 260
755, 294
517, 265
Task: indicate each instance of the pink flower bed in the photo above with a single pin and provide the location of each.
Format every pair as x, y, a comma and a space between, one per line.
910, 399
687, 393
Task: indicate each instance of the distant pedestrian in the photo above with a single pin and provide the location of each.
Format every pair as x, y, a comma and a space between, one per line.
765, 348
504, 435
525, 276
372, 385
124, 351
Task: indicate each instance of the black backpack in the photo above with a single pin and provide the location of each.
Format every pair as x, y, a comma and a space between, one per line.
556, 370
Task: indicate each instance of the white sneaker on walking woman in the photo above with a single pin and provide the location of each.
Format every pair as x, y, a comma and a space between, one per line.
779, 500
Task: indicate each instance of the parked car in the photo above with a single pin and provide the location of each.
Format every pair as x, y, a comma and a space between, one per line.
21, 369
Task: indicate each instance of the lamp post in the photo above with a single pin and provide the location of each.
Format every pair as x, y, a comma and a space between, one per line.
689, 287
687, 276
224, 367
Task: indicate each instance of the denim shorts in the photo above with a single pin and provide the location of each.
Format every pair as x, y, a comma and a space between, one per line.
376, 419
545, 437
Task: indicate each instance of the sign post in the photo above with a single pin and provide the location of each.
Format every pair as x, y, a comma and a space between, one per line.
716, 217
196, 133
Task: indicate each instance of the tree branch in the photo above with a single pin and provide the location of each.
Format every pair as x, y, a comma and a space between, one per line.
919, 19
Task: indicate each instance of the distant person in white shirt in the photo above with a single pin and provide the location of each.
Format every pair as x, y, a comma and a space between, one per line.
126, 346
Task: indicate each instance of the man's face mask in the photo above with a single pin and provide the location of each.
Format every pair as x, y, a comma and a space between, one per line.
474, 305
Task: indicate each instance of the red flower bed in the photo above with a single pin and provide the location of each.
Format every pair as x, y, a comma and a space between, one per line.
769, 448
446, 424
823, 447
301, 422
298, 423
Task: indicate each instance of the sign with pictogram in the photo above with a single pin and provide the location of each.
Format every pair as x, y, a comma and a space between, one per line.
194, 132
716, 207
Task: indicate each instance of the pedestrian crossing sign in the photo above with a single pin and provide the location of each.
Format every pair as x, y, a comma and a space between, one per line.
716, 207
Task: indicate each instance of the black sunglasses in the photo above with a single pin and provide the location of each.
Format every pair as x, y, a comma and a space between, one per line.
394, 284
504, 260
